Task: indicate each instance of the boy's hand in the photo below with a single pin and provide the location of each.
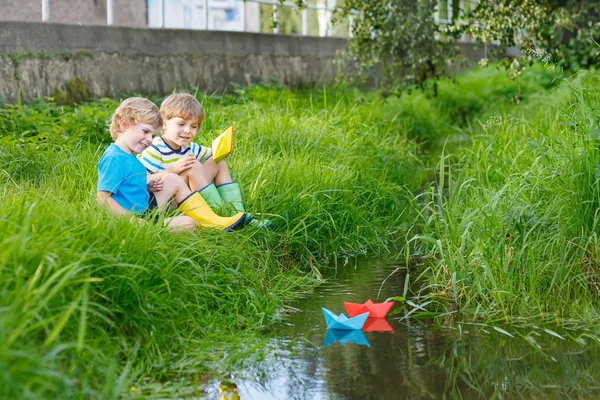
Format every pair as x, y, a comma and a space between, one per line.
154, 185
182, 165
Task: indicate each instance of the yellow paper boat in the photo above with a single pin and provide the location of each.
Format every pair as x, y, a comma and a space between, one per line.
222, 146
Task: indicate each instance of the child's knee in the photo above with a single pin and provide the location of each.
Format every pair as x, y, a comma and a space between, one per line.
197, 168
172, 179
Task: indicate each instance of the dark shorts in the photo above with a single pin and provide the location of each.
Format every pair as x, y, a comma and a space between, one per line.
151, 213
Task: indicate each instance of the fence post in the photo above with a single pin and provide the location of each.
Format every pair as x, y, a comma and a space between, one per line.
205, 8
161, 13
45, 10
110, 12
305, 21
275, 17
329, 16
243, 15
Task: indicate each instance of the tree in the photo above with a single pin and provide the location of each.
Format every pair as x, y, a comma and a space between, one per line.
395, 43
564, 32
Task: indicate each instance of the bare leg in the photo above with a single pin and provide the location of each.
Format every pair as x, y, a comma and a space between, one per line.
217, 172
196, 177
173, 187
180, 223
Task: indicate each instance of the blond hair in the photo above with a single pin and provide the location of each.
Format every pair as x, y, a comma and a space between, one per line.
134, 110
182, 105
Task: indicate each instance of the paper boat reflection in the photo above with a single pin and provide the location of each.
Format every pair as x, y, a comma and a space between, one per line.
377, 325
337, 335
342, 322
375, 310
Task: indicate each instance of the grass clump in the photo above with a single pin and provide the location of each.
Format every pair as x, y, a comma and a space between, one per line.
511, 225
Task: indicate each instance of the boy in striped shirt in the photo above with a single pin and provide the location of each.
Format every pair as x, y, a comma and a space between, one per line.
175, 152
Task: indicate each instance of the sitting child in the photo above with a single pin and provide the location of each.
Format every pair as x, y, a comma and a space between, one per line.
123, 186
175, 152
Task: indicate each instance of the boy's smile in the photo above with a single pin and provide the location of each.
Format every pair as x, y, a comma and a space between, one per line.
180, 132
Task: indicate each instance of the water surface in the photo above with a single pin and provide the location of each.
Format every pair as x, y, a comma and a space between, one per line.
413, 359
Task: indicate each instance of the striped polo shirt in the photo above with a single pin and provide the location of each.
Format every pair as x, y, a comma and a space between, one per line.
160, 156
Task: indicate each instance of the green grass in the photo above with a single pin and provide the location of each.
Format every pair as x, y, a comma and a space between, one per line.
510, 227
91, 306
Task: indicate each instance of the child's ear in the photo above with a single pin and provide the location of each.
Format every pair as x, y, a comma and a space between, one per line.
123, 124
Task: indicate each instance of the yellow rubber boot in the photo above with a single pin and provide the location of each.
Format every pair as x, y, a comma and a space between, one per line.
196, 207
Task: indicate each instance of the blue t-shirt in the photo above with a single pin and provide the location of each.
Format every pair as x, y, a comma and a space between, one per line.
124, 176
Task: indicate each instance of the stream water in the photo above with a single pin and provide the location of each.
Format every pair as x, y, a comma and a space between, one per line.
404, 358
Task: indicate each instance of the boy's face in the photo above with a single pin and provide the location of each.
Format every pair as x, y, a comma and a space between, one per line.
179, 131
136, 138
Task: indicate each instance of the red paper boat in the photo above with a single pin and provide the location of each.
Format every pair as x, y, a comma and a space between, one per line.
377, 325
378, 310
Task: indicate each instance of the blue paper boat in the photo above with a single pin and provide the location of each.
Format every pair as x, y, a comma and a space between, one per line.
346, 336
342, 322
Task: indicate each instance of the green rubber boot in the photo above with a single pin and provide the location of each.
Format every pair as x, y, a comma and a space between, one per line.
230, 193
211, 195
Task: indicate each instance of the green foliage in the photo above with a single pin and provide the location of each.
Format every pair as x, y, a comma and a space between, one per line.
77, 92
289, 20
45, 126
397, 44
394, 44
564, 33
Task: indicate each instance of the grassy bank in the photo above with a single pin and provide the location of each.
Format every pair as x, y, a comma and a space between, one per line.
510, 227
91, 305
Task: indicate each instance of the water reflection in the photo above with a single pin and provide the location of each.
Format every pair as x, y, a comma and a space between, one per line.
377, 325
337, 335
393, 359
228, 391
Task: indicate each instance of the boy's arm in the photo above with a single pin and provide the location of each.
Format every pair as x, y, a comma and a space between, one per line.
152, 160
105, 200
178, 167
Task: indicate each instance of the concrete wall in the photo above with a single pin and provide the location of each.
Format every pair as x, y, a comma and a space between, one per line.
38, 57
85, 12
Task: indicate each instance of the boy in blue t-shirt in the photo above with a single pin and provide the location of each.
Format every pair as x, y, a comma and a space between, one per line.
122, 180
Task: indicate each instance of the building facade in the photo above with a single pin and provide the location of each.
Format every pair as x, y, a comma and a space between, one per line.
132, 13
226, 15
